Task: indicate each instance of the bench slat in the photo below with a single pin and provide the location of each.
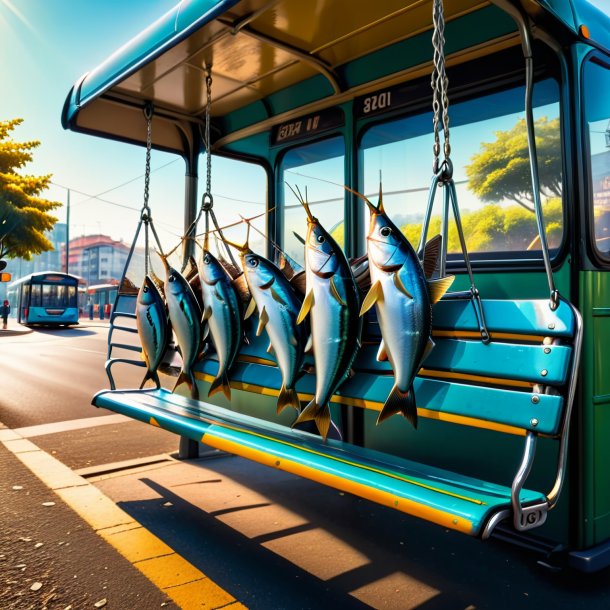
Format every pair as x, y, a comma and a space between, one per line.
508, 407
443, 497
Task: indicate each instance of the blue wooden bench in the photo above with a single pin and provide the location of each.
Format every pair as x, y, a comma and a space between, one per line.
521, 383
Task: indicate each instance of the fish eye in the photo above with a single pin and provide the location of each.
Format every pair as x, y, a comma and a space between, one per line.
385, 231
252, 262
172, 278
321, 239
206, 259
145, 289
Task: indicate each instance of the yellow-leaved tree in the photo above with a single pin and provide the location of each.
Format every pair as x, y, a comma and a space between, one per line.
24, 215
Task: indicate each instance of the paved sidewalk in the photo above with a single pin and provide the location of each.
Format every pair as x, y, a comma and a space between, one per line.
51, 558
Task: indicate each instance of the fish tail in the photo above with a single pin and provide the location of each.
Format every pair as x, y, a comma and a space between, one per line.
154, 375
288, 397
221, 384
320, 414
400, 402
189, 379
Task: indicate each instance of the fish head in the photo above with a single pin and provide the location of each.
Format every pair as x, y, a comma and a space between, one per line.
320, 250
388, 248
146, 296
210, 268
174, 281
259, 271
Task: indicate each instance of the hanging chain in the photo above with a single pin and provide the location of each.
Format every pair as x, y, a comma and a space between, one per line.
145, 215
440, 86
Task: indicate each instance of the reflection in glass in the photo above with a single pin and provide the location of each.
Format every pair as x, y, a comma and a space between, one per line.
317, 170
491, 171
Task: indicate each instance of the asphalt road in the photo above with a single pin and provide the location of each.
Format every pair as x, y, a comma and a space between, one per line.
270, 539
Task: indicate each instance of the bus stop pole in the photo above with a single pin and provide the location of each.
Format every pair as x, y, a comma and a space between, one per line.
188, 448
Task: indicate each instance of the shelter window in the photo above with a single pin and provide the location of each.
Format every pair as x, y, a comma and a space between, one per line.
491, 172
597, 115
238, 188
318, 171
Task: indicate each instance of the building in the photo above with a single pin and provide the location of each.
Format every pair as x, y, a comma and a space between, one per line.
98, 259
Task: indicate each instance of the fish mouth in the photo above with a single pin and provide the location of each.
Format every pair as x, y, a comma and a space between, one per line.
319, 271
267, 284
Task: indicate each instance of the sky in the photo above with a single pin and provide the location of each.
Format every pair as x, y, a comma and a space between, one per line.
45, 47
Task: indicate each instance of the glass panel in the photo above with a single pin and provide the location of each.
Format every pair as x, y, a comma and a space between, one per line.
597, 114
317, 170
491, 171
35, 295
239, 189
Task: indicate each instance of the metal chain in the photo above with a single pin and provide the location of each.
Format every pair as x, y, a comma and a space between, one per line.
145, 215
208, 120
440, 87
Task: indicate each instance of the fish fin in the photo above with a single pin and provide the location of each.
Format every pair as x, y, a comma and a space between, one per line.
309, 344
262, 321
250, 309
382, 354
374, 294
298, 237
288, 397
400, 402
270, 349
439, 287
432, 251
207, 313
218, 295
298, 282
308, 303
400, 285
276, 296
429, 347
205, 333
220, 384
335, 292
293, 341
320, 414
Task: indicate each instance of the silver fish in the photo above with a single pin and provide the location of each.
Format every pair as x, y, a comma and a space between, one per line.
278, 307
332, 302
153, 327
185, 316
403, 297
222, 312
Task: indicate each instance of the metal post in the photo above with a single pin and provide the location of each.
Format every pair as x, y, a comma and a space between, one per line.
68, 232
188, 448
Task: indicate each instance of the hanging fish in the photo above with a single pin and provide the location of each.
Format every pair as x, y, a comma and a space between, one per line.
278, 308
332, 302
185, 316
222, 312
403, 297
153, 327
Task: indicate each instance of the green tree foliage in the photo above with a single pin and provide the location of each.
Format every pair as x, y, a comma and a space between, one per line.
24, 215
497, 228
501, 169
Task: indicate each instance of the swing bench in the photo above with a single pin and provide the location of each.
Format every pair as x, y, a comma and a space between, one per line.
507, 366
520, 383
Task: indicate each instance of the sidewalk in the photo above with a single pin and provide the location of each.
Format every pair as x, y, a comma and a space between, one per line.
51, 558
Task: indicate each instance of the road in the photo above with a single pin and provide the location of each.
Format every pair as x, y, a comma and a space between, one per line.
259, 537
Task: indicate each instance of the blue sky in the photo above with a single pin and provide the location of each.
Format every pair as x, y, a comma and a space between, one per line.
46, 45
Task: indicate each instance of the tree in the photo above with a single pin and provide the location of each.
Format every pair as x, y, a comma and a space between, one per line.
24, 215
501, 170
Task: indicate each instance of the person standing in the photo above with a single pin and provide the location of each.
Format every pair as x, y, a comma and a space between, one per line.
5, 310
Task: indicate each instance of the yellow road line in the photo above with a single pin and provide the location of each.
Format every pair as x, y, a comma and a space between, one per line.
180, 580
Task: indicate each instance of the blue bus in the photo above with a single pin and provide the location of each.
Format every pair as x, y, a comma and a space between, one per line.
48, 298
